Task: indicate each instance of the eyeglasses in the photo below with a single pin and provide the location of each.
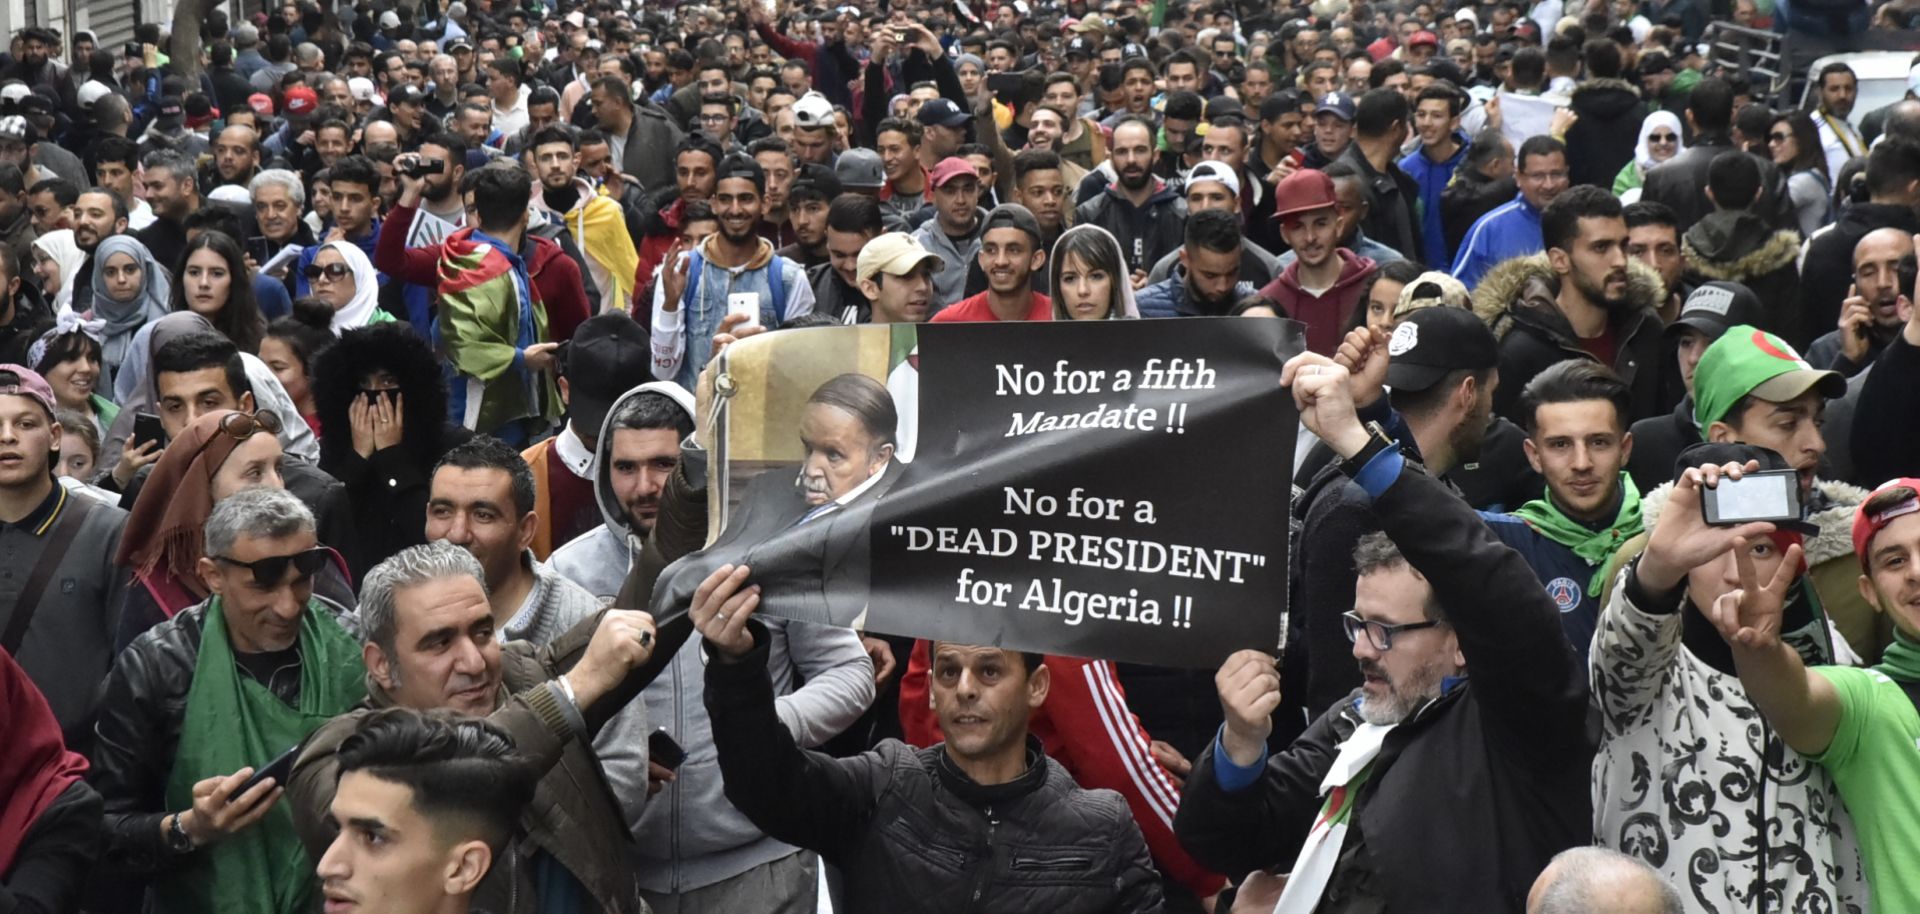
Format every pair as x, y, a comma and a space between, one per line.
330, 271
1779, 137
1663, 138
713, 118
1380, 634
270, 571
1544, 175
241, 426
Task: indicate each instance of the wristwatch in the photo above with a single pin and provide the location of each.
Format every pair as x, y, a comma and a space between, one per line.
178, 840
1377, 441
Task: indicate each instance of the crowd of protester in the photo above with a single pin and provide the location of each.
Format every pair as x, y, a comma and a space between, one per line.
350, 412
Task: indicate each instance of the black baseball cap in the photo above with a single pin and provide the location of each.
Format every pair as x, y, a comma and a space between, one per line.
1080, 47
607, 356
1432, 342
406, 94
739, 165
814, 181
1013, 215
943, 113
1715, 306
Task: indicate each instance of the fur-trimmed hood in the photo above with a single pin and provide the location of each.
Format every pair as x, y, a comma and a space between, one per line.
1835, 540
1738, 247
1523, 288
1608, 98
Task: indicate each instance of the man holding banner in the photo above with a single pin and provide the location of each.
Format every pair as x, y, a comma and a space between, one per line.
1503, 754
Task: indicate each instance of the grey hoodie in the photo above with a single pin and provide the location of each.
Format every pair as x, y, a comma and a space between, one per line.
689, 836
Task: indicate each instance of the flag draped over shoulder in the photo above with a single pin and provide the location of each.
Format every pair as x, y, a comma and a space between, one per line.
490, 312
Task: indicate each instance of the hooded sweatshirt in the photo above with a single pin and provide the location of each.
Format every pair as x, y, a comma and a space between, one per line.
689, 835
1602, 141
1328, 314
1738, 246
683, 338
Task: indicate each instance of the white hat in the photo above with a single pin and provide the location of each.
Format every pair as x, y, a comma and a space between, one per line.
14, 92
92, 91
1215, 170
389, 20
1466, 15
363, 89
813, 110
231, 193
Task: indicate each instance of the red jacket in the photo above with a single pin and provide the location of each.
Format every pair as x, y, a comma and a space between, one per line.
1327, 316
1086, 727
652, 247
556, 275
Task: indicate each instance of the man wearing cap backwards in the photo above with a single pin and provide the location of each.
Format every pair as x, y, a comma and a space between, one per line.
1876, 308
896, 275
809, 198
1213, 185
1142, 212
1011, 252
1577, 440
1359, 808
1858, 724
954, 231
732, 271
1751, 387
1583, 298
1324, 284
1708, 312
61, 635
1655, 655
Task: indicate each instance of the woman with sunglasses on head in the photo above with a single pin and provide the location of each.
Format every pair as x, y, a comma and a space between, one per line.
342, 275
217, 455
1660, 140
380, 398
130, 290
1795, 146
216, 284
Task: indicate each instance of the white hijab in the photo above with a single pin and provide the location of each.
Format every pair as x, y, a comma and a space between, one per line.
366, 288
59, 246
1666, 119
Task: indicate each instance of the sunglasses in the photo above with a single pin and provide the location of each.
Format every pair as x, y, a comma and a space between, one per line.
1779, 137
272, 570
1662, 138
330, 271
241, 426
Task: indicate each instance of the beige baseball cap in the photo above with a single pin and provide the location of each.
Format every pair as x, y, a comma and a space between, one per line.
895, 253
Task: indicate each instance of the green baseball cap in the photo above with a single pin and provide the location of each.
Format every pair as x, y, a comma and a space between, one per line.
1746, 360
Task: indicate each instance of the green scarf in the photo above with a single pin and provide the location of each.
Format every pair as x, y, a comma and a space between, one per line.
232, 722
1901, 660
1595, 546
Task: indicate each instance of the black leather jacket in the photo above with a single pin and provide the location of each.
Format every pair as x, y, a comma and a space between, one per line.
139, 733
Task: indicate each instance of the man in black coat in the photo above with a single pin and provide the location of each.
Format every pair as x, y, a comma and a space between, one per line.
1365, 806
1601, 142
1681, 182
1893, 197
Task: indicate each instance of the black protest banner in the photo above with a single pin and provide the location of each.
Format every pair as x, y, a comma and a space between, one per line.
1110, 489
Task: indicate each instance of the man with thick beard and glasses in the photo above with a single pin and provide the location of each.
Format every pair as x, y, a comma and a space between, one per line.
1582, 299
1370, 801
698, 287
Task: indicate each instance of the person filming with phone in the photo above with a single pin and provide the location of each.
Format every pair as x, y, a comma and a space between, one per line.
197, 703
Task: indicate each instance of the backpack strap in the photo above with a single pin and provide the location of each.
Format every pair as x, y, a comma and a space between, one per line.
695, 267
777, 280
73, 513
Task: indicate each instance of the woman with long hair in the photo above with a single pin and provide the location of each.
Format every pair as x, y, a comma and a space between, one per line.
342, 275
130, 290
1089, 277
216, 284
1660, 140
292, 346
1795, 147
56, 259
383, 405
68, 356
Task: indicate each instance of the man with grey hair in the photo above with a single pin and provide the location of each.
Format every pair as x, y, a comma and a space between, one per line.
430, 644
309, 58
279, 201
195, 704
247, 59
1595, 880
173, 190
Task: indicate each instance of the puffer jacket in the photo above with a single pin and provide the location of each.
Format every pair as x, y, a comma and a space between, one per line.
1737, 246
1674, 782
1601, 142
903, 824
1517, 300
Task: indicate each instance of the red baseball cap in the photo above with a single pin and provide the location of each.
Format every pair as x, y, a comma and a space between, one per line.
950, 168
301, 100
1303, 191
261, 103
1423, 37
1867, 523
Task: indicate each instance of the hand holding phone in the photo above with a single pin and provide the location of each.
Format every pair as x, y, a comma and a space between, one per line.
276, 771
1766, 496
663, 751
147, 427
